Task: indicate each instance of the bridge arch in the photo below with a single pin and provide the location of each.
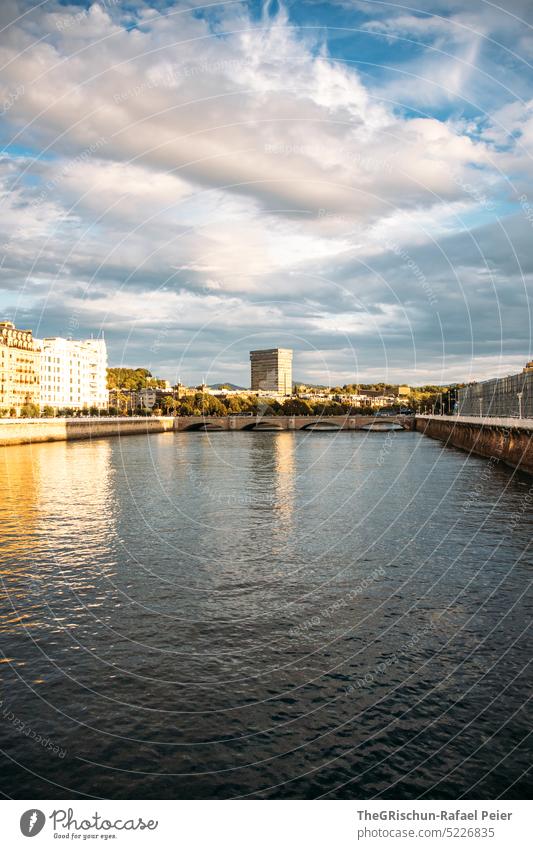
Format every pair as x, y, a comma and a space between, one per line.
266, 426
321, 426
204, 427
383, 427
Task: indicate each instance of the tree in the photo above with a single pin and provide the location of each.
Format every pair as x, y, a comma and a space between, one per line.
168, 405
48, 412
233, 403
185, 408
122, 403
30, 411
297, 407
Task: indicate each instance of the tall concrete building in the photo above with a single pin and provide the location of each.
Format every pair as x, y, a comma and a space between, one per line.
272, 370
19, 368
73, 373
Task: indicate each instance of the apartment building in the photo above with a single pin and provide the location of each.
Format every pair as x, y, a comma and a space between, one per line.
73, 373
19, 368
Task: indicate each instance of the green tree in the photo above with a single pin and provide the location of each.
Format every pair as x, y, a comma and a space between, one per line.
30, 411
185, 408
233, 404
168, 405
297, 407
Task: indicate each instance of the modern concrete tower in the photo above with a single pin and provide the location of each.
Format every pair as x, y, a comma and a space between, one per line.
272, 370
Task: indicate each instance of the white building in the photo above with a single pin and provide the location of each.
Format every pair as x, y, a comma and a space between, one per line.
146, 398
73, 373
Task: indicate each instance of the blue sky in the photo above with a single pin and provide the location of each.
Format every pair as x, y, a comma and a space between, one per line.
349, 179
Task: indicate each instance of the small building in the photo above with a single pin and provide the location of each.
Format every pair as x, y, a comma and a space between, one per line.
179, 390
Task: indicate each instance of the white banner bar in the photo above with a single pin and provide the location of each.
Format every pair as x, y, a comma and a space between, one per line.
258, 824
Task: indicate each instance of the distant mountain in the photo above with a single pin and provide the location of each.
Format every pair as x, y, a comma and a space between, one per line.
231, 386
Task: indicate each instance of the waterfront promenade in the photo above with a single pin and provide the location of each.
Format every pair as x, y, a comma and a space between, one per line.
507, 439
25, 431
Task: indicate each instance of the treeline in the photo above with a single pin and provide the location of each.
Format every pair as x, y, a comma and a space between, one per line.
204, 404
361, 388
132, 379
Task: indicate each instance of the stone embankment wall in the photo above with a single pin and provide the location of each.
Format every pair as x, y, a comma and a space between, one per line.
22, 431
508, 440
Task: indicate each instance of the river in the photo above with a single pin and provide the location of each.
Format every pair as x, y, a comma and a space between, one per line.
263, 615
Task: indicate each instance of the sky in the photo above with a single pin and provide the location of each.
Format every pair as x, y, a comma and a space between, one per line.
352, 180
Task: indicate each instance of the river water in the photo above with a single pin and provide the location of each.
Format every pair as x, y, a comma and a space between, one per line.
265, 615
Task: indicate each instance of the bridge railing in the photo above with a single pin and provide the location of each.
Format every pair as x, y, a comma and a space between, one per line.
486, 421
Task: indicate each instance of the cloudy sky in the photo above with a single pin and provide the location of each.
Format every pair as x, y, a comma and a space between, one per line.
350, 179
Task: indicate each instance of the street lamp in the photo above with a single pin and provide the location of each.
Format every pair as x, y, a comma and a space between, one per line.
481, 407
519, 396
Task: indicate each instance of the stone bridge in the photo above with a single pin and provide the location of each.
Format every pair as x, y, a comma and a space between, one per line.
307, 423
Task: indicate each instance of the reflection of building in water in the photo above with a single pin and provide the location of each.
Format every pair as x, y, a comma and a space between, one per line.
19, 494
284, 474
56, 518
75, 484
272, 487
20, 485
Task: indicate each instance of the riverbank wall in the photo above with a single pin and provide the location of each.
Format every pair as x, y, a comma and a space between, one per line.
507, 439
25, 431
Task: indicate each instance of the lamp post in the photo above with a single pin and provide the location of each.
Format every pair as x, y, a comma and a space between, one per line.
519, 396
481, 407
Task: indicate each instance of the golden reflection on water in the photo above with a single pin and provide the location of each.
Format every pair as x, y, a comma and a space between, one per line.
284, 477
19, 488
50, 494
